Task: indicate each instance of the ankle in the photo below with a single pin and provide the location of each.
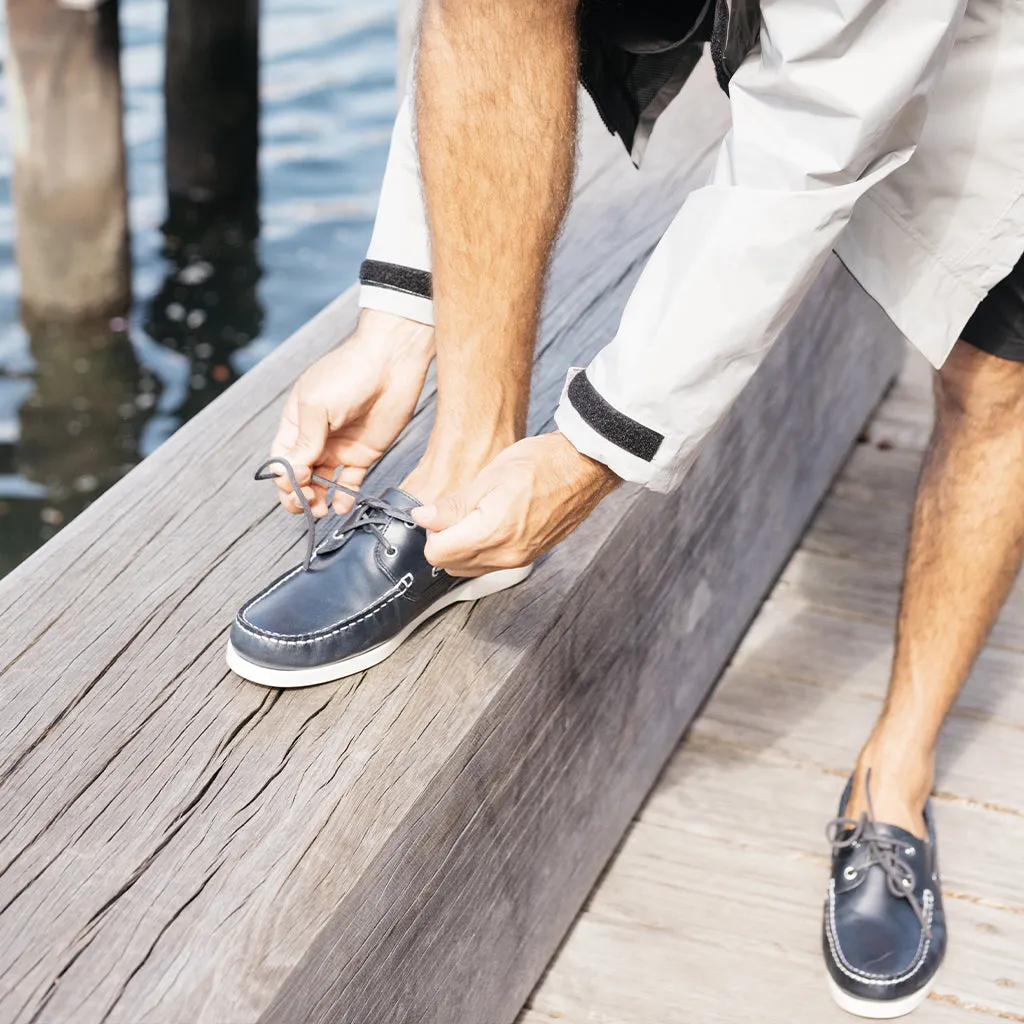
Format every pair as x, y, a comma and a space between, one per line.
901, 778
440, 474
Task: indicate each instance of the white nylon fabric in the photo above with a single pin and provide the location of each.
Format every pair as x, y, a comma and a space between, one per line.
832, 102
931, 240
889, 130
400, 232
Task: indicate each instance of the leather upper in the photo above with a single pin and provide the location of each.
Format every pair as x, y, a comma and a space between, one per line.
875, 945
350, 600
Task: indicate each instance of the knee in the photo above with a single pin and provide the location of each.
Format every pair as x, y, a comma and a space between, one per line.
975, 390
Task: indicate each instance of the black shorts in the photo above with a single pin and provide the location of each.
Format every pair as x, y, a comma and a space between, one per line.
997, 326
635, 56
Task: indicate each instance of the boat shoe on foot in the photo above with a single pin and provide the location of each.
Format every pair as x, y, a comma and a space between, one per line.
885, 933
355, 598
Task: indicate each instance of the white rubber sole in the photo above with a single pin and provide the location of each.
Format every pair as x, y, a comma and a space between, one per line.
877, 1009
291, 678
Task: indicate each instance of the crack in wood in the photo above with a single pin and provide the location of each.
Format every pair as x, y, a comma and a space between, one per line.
163, 931
963, 1004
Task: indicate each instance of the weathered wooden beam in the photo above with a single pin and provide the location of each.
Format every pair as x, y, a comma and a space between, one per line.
64, 81
409, 845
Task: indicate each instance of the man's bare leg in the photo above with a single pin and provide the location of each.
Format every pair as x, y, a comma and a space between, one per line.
966, 544
496, 116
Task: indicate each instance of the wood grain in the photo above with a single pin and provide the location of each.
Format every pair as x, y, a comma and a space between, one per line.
672, 935
409, 845
789, 800
870, 590
788, 638
711, 910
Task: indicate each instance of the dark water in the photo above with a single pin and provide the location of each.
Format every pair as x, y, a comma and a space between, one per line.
79, 407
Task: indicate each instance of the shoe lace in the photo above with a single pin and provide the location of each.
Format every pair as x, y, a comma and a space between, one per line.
844, 833
373, 514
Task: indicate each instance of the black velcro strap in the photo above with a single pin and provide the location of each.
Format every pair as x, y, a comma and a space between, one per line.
397, 278
611, 424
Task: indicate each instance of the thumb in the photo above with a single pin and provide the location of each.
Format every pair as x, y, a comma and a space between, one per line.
450, 510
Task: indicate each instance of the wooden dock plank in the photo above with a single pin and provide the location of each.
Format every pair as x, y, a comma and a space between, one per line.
810, 723
711, 910
789, 639
695, 937
875, 475
791, 800
181, 846
852, 587
678, 915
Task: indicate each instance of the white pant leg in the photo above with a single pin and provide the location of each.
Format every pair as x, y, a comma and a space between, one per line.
395, 276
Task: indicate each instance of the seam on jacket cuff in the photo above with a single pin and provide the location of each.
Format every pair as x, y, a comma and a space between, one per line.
411, 307
601, 416
586, 440
397, 277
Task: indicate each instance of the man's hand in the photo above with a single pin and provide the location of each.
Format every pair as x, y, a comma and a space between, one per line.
348, 408
533, 495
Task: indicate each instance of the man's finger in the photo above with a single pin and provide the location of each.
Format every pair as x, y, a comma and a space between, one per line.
287, 428
463, 544
301, 437
284, 440
310, 437
292, 504
444, 514
350, 476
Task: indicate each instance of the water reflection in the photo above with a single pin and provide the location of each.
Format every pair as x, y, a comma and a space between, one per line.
81, 422
208, 307
80, 404
86, 404
77, 432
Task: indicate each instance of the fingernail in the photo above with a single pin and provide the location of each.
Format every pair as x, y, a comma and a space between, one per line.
424, 513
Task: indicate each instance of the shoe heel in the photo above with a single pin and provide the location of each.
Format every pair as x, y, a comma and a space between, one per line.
492, 583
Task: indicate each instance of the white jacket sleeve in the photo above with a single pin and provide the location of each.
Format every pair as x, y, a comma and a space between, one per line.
396, 276
833, 100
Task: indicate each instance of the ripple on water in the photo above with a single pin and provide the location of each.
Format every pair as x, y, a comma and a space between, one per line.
77, 410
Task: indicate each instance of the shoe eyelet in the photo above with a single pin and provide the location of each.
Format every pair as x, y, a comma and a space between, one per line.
849, 873
391, 552
408, 526
909, 851
906, 883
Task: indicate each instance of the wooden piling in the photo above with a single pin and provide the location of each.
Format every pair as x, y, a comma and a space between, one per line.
211, 89
69, 163
207, 307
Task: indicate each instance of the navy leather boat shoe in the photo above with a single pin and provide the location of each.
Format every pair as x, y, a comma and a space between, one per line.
885, 933
353, 601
